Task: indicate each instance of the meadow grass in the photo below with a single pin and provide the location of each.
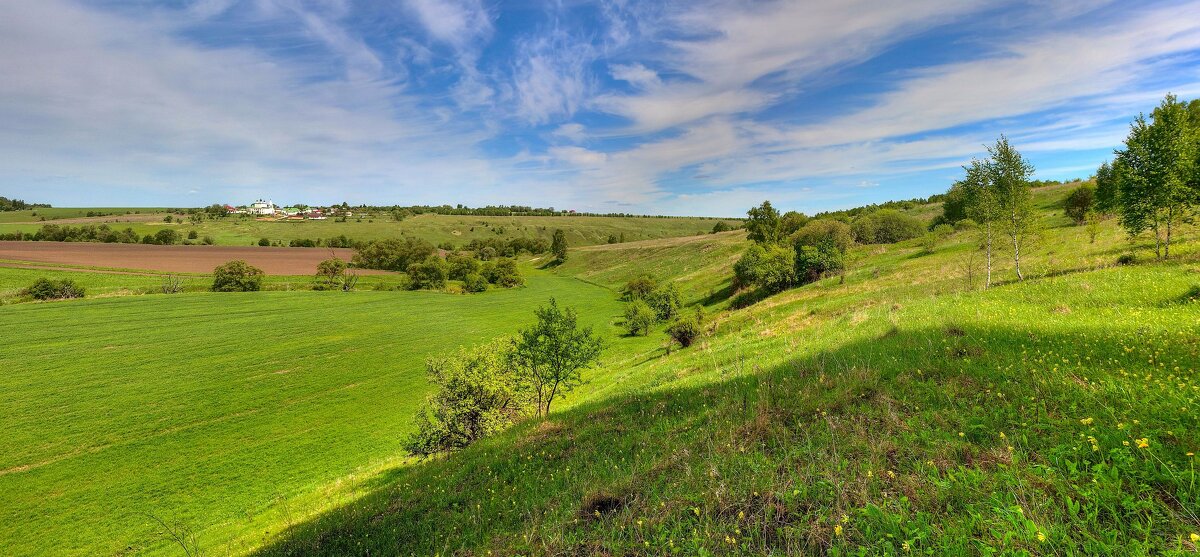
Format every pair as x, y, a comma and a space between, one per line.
224, 412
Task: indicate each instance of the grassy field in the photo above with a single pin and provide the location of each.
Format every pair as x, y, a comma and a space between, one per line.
437, 229
232, 414
899, 409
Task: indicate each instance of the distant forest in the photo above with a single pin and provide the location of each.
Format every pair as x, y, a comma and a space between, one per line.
7, 204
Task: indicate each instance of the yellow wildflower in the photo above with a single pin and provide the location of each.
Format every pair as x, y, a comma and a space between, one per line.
1086, 421
1041, 537
837, 530
1143, 443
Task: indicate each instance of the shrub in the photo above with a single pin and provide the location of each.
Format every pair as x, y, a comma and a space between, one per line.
461, 266
886, 226
1127, 259
392, 254
665, 300
820, 230
264, 242
208, 241
474, 282
933, 238
302, 243
720, 226
192, 235
47, 289
965, 224
1079, 202
771, 268
477, 394
331, 274
237, 276
687, 328
504, 273
639, 287
166, 237
813, 263
429, 274
639, 318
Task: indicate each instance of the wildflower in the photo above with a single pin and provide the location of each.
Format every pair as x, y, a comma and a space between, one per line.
1086, 421
845, 519
741, 515
1143, 443
696, 510
1041, 537
905, 546
837, 530
961, 434
1195, 537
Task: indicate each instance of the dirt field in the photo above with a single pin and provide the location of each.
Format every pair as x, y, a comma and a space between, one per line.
172, 259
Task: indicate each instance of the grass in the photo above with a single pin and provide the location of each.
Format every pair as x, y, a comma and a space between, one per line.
225, 412
437, 229
896, 409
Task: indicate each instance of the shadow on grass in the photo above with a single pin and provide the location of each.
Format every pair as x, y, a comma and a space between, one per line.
686, 459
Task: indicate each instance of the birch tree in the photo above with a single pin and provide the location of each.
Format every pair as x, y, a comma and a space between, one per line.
1009, 175
981, 206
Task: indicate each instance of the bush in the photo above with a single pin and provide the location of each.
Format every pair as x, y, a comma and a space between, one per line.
429, 274
331, 274
474, 282
817, 231
721, 226
302, 243
504, 272
208, 241
264, 242
813, 263
885, 226
771, 268
192, 235
47, 289
965, 224
639, 287
461, 266
1079, 202
237, 276
687, 328
933, 238
166, 237
665, 300
639, 318
1127, 259
392, 254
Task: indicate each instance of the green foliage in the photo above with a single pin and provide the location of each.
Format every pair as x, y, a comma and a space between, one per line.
392, 254
48, 289
721, 226
332, 275
553, 352
771, 268
503, 272
885, 226
763, 224
478, 392
687, 328
640, 318
461, 266
1106, 189
1008, 175
237, 276
264, 242
475, 282
1157, 173
815, 262
430, 274
558, 245
665, 300
164, 237
790, 222
932, 239
954, 205
819, 231
639, 287
1080, 202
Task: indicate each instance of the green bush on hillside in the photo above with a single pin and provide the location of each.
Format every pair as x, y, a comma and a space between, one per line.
47, 289
640, 318
817, 231
687, 328
475, 282
665, 300
503, 272
771, 268
392, 254
430, 274
237, 276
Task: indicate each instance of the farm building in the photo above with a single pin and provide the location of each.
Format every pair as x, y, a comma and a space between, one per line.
262, 207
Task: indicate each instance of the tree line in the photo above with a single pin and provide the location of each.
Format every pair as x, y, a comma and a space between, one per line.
7, 204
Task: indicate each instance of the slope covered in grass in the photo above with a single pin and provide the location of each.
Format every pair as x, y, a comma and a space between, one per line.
227, 413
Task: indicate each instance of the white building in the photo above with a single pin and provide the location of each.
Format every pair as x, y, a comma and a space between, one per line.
262, 207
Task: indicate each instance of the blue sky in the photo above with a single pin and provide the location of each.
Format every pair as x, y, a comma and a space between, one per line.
686, 107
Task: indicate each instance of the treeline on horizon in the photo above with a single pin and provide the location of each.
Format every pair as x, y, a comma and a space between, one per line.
7, 204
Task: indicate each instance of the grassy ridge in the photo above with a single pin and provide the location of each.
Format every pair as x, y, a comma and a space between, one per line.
437, 229
228, 412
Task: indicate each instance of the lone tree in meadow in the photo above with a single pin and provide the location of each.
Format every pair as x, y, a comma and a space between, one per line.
1157, 175
1009, 174
237, 276
980, 203
763, 224
552, 354
558, 245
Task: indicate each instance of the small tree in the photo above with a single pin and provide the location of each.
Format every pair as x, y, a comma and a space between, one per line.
47, 289
166, 237
264, 242
553, 352
477, 393
763, 224
429, 274
558, 246
333, 274
665, 301
237, 276
1009, 175
639, 318
1080, 203
475, 283
982, 207
639, 287
687, 328
1093, 226
504, 272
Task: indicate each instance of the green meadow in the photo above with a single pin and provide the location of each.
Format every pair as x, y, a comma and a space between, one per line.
897, 409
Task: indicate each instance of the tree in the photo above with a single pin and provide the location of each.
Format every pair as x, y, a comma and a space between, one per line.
981, 206
771, 268
504, 272
558, 245
818, 231
166, 237
477, 393
639, 318
428, 274
790, 222
237, 276
763, 224
392, 254
332, 275
1079, 203
815, 262
475, 283
954, 205
639, 287
1008, 174
687, 328
1157, 173
721, 226
1106, 189
553, 352
461, 266
665, 300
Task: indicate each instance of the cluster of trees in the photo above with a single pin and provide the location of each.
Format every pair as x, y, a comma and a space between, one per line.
7, 204
790, 249
48, 289
649, 303
103, 234
476, 274
886, 226
485, 389
400, 212
490, 248
1153, 184
392, 254
427, 270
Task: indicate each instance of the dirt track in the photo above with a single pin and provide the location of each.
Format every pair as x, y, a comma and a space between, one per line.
172, 259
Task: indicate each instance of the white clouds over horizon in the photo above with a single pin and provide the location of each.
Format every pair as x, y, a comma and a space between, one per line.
653, 107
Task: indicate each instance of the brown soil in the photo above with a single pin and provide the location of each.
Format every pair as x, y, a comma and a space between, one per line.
173, 259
